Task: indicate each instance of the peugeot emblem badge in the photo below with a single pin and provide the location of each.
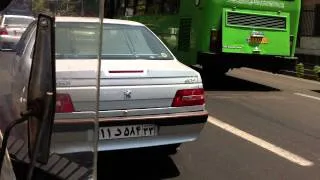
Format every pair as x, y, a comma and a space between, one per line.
127, 93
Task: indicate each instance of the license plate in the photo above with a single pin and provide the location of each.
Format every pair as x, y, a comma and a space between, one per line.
132, 131
258, 40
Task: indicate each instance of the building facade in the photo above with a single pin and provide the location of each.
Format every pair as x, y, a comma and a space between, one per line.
309, 35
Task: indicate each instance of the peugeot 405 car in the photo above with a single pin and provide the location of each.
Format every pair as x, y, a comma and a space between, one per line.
147, 97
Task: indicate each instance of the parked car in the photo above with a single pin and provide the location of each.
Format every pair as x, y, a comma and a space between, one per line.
11, 29
147, 97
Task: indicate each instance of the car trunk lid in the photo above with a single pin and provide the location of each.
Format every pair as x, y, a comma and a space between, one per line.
125, 84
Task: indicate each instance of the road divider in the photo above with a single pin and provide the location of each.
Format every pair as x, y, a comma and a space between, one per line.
261, 143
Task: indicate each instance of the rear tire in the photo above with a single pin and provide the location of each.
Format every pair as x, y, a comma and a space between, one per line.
280, 65
212, 74
170, 149
275, 65
214, 68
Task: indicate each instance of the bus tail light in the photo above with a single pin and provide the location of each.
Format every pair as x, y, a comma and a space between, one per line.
214, 44
188, 97
291, 43
64, 103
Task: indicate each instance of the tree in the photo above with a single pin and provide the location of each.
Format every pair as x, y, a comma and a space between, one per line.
39, 6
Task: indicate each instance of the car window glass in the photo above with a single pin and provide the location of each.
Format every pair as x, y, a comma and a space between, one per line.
24, 39
78, 40
139, 41
120, 45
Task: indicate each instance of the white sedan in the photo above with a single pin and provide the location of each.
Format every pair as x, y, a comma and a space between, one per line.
147, 97
11, 29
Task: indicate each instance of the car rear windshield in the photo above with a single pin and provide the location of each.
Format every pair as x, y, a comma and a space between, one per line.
80, 41
17, 21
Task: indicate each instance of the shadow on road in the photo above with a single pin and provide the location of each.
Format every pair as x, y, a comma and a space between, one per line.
318, 91
139, 164
228, 83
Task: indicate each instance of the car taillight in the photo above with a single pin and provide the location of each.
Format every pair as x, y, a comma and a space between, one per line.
3, 31
188, 97
214, 40
64, 103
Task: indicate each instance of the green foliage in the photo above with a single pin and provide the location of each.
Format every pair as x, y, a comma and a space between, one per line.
67, 9
316, 70
39, 6
300, 69
59, 8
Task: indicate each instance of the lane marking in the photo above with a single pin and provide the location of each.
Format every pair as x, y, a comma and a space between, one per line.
307, 96
262, 143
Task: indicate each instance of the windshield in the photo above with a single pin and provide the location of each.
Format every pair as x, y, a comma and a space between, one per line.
17, 21
78, 41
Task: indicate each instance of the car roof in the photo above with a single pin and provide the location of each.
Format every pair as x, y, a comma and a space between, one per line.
19, 16
95, 20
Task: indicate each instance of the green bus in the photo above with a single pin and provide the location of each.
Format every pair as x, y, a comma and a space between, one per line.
219, 34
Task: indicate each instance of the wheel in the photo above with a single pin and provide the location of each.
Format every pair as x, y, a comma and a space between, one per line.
279, 64
276, 69
212, 75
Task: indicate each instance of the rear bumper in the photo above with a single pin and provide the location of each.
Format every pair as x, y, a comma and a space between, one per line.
75, 135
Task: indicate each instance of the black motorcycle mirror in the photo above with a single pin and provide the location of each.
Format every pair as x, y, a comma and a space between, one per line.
41, 96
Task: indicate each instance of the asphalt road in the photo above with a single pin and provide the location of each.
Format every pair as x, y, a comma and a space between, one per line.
272, 132
261, 126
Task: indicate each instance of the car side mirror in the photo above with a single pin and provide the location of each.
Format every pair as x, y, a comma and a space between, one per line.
41, 97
